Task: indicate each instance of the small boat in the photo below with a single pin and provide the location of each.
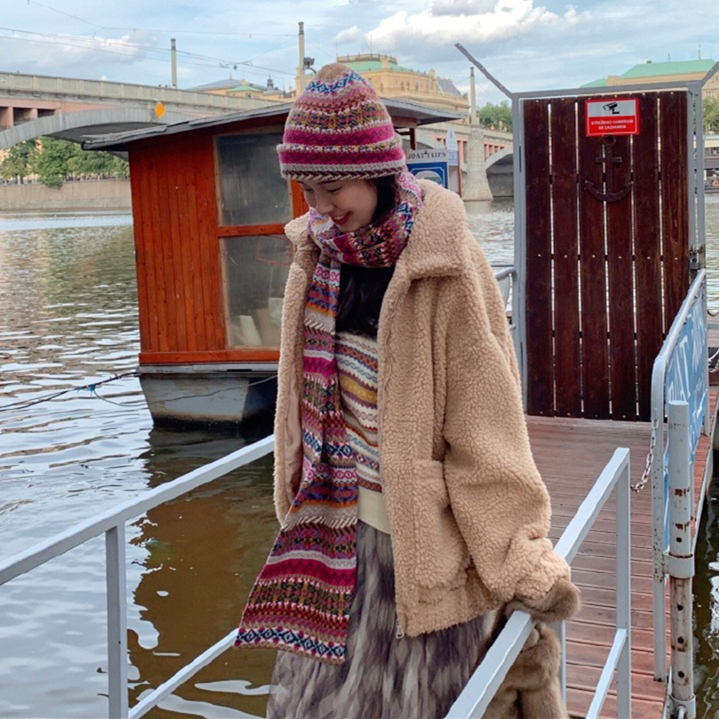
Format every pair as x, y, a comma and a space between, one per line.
209, 207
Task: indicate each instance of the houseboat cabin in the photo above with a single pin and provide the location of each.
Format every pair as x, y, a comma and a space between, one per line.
209, 208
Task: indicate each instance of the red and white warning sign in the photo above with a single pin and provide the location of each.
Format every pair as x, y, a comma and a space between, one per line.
612, 117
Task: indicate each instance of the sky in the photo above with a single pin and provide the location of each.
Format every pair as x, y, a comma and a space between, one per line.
526, 44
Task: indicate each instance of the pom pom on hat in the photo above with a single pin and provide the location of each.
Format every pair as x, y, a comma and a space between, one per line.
338, 128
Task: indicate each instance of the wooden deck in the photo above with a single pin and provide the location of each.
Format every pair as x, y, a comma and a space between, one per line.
571, 453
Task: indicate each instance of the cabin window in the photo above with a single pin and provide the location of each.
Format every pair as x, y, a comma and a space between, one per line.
252, 191
255, 271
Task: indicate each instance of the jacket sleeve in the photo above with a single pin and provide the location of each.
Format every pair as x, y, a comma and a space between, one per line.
498, 498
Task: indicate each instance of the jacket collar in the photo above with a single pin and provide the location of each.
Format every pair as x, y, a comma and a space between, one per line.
436, 247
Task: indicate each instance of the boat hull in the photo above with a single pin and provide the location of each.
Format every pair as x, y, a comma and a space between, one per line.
226, 394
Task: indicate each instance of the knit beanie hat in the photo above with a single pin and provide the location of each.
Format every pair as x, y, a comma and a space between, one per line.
339, 129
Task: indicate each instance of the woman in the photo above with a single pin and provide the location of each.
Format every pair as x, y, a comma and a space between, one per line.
411, 508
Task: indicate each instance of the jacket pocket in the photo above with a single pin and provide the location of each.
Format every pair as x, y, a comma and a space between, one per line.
442, 556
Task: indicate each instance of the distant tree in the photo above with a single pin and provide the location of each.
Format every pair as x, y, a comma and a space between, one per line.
59, 159
497, 116
711, 114
97, 164
19, 160
51, 163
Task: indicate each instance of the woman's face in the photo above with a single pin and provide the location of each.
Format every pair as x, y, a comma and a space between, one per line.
350, 203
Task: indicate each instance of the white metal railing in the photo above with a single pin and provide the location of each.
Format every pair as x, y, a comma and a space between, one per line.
507, 281
112, 525
681, 372
483, 685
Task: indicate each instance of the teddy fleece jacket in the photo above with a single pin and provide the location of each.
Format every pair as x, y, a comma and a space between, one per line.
468, 509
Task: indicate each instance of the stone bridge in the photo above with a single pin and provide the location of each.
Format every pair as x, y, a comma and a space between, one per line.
74, 109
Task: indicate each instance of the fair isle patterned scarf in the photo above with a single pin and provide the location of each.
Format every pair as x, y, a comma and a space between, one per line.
301, 601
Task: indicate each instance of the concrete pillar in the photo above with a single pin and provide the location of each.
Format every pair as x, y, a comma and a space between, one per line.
476, 187
6, 117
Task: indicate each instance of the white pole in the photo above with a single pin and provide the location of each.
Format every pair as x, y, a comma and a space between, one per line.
173, 54
624, 592
472, 98
116, 622
301, 67
681, 558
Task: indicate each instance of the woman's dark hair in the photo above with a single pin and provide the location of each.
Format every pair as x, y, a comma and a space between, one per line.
362, 288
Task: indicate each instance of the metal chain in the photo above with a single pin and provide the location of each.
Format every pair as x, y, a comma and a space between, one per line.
650, 459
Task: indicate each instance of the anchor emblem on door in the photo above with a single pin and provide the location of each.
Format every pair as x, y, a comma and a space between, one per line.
609, 161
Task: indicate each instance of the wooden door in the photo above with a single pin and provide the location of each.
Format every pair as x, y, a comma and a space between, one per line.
607, 254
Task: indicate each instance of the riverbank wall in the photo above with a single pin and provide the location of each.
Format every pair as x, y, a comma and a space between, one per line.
70, 197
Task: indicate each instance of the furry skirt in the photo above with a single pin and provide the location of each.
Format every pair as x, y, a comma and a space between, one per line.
384, 676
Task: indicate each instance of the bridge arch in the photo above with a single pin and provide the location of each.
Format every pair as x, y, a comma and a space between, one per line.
78, 126
504, 156
500, 172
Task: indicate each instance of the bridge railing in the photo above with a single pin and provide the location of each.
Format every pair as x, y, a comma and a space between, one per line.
66, 88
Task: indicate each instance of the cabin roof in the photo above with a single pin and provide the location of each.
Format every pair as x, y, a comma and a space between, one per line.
421, 114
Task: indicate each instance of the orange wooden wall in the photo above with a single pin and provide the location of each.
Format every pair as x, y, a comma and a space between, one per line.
177, 253
177, 243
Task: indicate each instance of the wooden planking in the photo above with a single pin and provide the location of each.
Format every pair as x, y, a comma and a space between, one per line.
233, 355
674, 194
198, 281
620, 279
245, 230
209, 251
595, 364
156, 289
566, 259
164, 266
647, 250
639, 258
143, 255
174, 179
177, 249
538, 288
167, 209
194, 240
579, 449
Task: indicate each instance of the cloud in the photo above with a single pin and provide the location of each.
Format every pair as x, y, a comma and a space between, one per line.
493, 23
462, 7
79, 52
351, 34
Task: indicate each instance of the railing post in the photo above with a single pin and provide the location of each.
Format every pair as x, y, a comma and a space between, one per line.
624, 592
116, 622
560, 628
681, 557
659, 623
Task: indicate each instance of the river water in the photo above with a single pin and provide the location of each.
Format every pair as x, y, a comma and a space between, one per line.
72, 445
